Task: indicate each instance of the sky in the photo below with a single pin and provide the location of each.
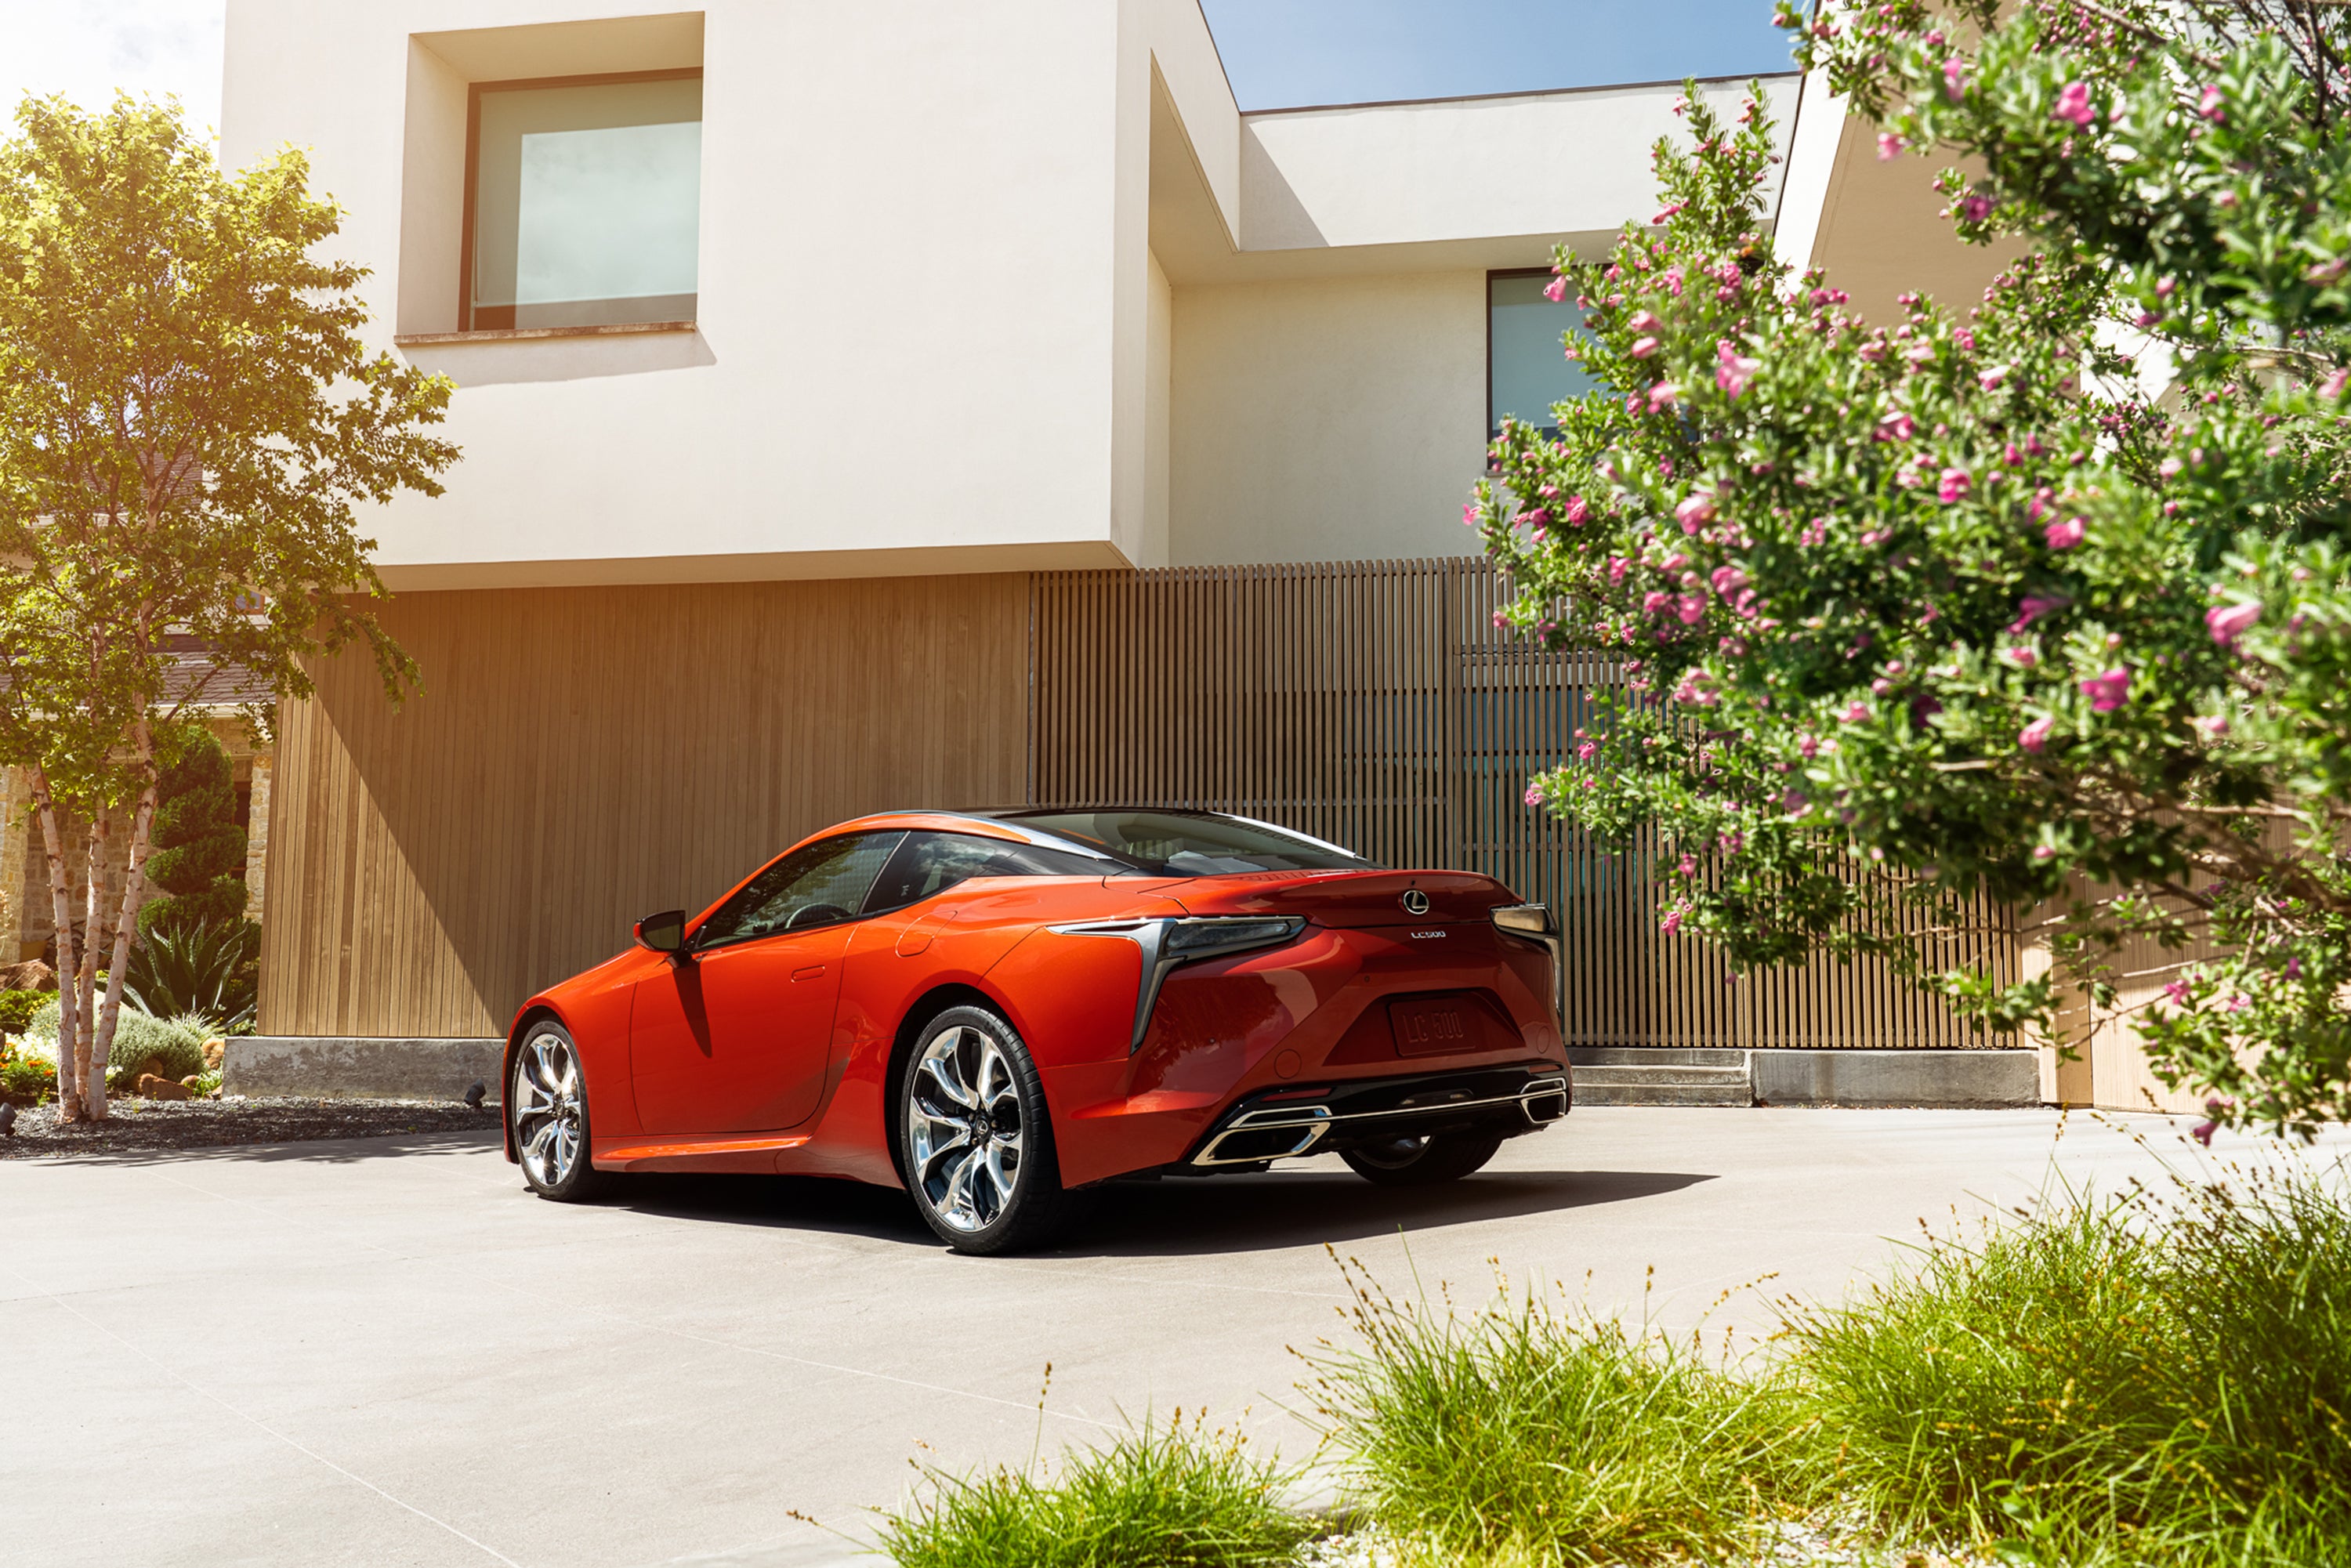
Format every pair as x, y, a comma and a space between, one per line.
1278, 53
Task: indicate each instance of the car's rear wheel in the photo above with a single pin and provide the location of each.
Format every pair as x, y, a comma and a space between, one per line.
1423, 1161
976, 1137
547, 1104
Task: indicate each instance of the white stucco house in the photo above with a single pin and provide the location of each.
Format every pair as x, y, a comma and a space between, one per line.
878, 405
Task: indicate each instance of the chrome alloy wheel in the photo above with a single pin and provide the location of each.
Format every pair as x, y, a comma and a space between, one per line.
547, 1116
965, 1126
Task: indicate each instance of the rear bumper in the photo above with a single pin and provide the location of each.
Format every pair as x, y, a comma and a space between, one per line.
1287, 1122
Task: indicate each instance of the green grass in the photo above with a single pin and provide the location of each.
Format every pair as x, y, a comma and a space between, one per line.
1164, 1496
2157, 1377
1537, 1432
2155, 1380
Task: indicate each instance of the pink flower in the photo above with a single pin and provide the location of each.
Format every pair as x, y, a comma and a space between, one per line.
1890, 146
1662, 395
1732, 372
2034, 736
1586, 750
1644, 322
2332, 387
1644, 347
2033, 606
2044, 852
1727, 580
1697, 510
1617, 567
2208, 106
2227, 622
2074, 104
2023, 658
1555, 290
1955, 79
2176, 993
1469, 514
1673, 922
2214, 726
1895, 426
2067, 534
1654, 602
1953, 486
2202, 1132
1974, 209
2109, 691
1535, 519
1575, 511
1692, 609
1534, 795
1855, 712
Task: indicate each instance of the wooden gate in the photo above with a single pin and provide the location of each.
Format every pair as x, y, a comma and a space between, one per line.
1376, 703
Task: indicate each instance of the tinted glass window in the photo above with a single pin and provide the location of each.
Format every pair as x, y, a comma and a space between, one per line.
1527, 364
820, 883
1188, 844
929, 863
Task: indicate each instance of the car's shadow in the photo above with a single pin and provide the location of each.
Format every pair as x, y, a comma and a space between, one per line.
1171, 1217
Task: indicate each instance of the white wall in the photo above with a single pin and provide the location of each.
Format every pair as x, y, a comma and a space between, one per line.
1330, 419
907, 276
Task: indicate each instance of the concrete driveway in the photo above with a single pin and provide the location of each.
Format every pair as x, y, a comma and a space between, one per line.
385, 1352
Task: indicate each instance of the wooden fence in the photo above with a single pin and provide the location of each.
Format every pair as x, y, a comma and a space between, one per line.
1374, 703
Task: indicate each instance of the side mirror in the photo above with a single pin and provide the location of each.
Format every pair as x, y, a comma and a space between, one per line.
663, 932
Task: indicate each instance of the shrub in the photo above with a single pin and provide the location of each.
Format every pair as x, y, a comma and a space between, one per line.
138, 1037
1165, 1497
2172, 1374
199, 855
1535, 1432
26, 1079
213, 969
17, 1010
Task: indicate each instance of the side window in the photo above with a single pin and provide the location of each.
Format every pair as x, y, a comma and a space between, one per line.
820, 883
929, 863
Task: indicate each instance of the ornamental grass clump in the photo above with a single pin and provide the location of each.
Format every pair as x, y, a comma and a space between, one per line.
1534, 1431
2158, 1378
1172, 1496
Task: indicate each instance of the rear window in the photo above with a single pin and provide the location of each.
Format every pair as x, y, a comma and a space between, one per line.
1193, 844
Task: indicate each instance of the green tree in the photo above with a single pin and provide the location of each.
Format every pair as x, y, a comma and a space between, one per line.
198, 862
1973, 602
189, 422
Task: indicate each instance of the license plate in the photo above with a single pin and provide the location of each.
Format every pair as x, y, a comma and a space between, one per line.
1430, 1028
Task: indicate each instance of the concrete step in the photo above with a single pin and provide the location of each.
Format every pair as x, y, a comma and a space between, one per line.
1663, 1086
1655, 1056
1660, 1076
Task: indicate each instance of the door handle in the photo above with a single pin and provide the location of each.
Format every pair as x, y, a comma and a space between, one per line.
813, 972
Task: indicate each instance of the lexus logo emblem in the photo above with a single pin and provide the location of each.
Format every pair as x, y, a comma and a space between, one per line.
1415, 902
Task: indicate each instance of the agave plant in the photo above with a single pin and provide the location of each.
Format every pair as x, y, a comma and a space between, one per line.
212, 968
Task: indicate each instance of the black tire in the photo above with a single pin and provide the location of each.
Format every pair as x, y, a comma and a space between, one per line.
949, 1100
1423, 1162
546, 1116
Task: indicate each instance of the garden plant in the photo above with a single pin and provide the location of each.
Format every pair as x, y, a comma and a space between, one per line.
2158, 1377
189, 421
2040, 596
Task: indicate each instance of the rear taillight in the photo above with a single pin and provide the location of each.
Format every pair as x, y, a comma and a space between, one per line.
1186, 939
1532, 923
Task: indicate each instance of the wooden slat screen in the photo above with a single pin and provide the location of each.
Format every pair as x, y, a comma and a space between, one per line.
1376, 703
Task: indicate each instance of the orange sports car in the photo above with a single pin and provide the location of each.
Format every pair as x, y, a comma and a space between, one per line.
995, 1009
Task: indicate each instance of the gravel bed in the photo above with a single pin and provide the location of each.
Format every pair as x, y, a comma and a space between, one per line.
133, 1125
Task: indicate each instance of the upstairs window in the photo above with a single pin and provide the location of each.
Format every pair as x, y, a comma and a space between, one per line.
1527, 367
583, 201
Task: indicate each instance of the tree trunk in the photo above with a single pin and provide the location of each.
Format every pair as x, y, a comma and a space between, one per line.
93, 1066
134, 882
69, 1095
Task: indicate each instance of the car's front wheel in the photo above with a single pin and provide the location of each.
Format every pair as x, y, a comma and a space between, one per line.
547, 1106
976, 1138
1423, 1161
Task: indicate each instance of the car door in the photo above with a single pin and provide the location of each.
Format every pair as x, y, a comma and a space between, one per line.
735, 1035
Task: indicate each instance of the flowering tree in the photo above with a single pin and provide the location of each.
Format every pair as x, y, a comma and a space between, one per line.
188, 420
1966, 604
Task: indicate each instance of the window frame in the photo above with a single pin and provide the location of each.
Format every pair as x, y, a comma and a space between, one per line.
474, 91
